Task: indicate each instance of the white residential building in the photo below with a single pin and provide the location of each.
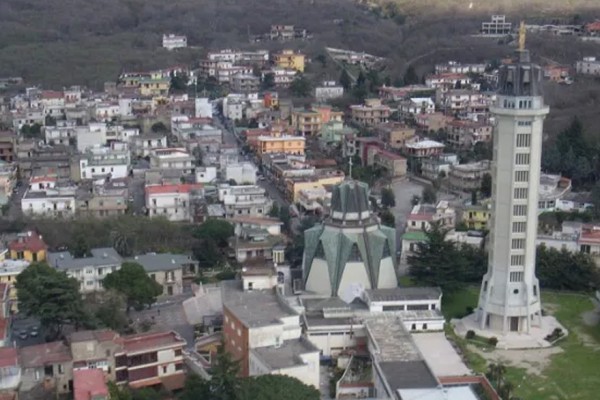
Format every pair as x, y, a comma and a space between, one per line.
418, 105
63, 132
101, 162
243, 173
107, 111
206, 174
249, 200
174, 202
172, 41
588, 66
233, 109
329, 90
203, 108
176, 158
88, 271
45, 199
142, 145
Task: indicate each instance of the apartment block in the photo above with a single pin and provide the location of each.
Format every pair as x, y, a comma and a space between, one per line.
176, 202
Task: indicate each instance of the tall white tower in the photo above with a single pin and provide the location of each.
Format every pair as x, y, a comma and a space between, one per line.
510, 295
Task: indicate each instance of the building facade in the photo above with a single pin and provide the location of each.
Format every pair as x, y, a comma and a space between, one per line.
510, 293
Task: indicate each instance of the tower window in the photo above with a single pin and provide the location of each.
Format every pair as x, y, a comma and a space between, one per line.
518, 244
519, 227
516, 276
519, 210
520, 193
521, 176
522, 159
523, 139
518, 259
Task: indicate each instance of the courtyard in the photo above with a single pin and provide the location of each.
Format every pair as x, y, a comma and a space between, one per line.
569, 370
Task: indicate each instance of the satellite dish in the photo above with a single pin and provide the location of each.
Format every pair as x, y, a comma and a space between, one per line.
351, 292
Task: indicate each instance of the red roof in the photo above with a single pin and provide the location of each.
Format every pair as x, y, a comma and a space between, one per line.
389, 154
8, 357
28, 241
148, 341
593, 26
3, 328
181, 188
37, 179
44, 354
52, 94
590, 235
89, 383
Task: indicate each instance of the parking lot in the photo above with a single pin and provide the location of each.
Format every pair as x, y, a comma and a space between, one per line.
26, 332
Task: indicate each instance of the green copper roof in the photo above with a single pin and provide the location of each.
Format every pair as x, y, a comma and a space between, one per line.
350, 197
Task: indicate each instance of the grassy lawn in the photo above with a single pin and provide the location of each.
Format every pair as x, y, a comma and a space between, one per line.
572, 374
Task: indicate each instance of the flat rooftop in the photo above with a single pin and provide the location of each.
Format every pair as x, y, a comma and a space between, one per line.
287, 355
404, 293
254, 308
393, 342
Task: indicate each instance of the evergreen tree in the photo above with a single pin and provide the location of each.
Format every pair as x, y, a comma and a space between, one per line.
345, 80
410, 76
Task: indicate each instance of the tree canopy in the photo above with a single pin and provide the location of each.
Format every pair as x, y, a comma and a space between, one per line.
132, 281
388, 198
429, 196
226, 385
216, 229
388, 218
301, 86
440, 262
51, 296
486, 185
564, 270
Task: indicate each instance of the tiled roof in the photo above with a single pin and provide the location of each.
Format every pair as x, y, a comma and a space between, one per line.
44, 354
149, 341
52, 94
104, 335
181, 188
89, 383
28, 241
8, 357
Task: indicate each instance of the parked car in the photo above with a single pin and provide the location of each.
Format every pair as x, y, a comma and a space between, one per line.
34, 331
23, 334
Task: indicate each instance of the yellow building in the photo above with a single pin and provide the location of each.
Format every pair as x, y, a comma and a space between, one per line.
290, 59
477, 217
28, 246
306, 122
280, 144
293, 186
155, 87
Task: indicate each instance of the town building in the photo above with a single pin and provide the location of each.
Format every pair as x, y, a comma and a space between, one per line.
394, 165
588, 66
28, 246
9, 271
248, 200
290, 59
332, 134
172, 41
173, 158
143, 145
256, 244
423, 216
435, 167
464, 134
102, 162
371, 113
243, 173
335, 257
459, 68
417, 105
176, 202
102, 199
432, 122
319, 180
7, 146
552, 189
468, 177
280, 144
244, 83
395, 135
10, 372
510, 293
497, 26
328, 90
477, 216
46, 198
424, 149
90, 270
264, 334
168, 270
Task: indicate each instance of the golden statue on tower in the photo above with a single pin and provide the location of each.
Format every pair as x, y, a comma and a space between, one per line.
522, 35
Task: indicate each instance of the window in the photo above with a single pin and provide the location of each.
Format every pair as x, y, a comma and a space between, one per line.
517, 259
485, 285
523, 140
164, 369
520, 193
519, 227
521, 176
89, 283
522, 159
178, 353
535, 290
524, 123
516, 276
518, 244
519, 210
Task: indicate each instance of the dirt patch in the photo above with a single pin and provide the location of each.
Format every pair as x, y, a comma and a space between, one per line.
534, 361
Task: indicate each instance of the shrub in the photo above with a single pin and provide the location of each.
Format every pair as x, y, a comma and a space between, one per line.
493, 341
470, 310
470, 335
